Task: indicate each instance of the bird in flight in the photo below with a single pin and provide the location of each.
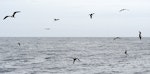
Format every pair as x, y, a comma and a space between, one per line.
56, 19
91, 15
74, 59
116, 38
140, 35
13, 16
123, 10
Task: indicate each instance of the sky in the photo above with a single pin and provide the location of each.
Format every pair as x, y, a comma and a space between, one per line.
37, 15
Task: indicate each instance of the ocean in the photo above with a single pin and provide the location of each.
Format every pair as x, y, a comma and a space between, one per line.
54, 55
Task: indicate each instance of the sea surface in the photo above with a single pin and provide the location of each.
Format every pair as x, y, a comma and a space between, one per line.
47, 55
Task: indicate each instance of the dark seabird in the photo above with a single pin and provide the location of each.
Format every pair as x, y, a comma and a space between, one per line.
13, 16
74, 59
126, 52
19, 44
91, 15
56, 19
123, 10
140, 35
116, 38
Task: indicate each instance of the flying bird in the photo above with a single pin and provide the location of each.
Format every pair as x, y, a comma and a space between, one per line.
74, 59
140, 35
116, 38
56, 19
91, 15
123, 10
13, 16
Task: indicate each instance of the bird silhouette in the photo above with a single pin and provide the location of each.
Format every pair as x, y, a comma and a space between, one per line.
13, 16
123, 10
116, 38
140, 35
74, 59
91, 15
19, 43
56, 19
126, 52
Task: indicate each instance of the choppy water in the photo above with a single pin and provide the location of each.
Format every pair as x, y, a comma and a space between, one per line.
54, 56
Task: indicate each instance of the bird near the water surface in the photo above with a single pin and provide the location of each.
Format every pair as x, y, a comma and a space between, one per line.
126, 52
19, 43
74, 59
116, 38
12, 16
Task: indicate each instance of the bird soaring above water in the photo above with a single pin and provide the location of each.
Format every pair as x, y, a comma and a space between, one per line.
123, 10
56, 19
91, 15
13, 16
140, 35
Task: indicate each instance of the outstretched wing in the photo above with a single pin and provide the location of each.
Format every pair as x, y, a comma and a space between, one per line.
15, 13
116, 38
123, 10
78, 59
5, 17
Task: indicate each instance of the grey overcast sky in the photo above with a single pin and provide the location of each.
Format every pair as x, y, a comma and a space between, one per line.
37, 15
